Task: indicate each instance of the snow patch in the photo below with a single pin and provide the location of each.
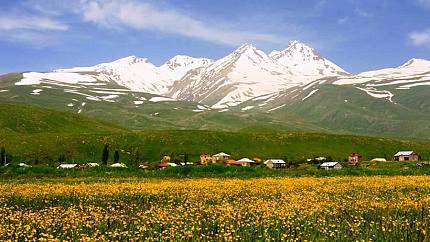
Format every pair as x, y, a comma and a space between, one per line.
378, 94
276, 108
138, 102
70, 105
161, 99
310, 94
36, 92
248, 108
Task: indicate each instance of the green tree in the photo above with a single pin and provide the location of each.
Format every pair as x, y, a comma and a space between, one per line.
116, 156
105, 155
3, 156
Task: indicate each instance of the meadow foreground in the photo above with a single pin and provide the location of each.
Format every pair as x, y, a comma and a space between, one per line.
374, 208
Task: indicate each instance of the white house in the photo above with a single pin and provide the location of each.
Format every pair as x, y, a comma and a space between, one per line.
67, 166
274, 164
245, 162
378, 160
118, 165
220, 157
331, 165
406, 156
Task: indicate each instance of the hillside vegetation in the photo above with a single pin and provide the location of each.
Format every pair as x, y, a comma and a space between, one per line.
25, 119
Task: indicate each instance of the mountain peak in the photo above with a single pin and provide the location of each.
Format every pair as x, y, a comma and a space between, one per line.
130, 60
415, 62
245, 47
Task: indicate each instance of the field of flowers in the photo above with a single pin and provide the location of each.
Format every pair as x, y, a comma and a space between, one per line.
265, 209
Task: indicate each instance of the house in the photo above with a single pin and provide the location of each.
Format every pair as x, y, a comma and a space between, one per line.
186, 163
232, 163
205, 158
354, 158
246, 162
406, 156
330, 165
67, 166
118, 165
378, 160
143, 167
275, 164
172, 164
166, 158
321, 158
163, 165
220, 157
92, 164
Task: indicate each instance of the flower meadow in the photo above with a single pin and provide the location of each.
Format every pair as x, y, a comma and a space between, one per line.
391, 208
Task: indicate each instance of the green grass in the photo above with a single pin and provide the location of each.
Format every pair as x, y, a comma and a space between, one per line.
25, 119
17, 174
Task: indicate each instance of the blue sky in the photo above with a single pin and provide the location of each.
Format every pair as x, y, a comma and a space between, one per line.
358, 35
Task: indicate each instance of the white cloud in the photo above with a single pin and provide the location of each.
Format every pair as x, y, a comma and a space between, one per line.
144, 16
10, 22
420, 38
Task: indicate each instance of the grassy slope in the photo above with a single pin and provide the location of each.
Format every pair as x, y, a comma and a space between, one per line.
169, 115
363, 114
151, 145
25, 119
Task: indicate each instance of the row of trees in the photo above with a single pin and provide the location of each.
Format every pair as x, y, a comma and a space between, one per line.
105, 155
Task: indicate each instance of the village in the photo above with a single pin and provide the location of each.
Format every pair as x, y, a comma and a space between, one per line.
222, 158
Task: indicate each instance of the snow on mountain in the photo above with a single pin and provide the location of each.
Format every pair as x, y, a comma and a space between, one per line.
306, 62
240, 76
134, 73
178, 66
414, 70
244, 75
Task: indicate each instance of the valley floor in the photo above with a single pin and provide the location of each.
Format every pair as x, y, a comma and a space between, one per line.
382, 208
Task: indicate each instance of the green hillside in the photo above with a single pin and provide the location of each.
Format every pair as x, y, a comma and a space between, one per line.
347, 109
26, 119
151, 145
152, 115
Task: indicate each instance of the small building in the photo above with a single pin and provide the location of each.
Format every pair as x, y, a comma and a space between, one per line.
172, 164
166, 158
321, 159
232, 163
163, 165
220, 157
246, 162
92, 164
378, 160
205, 158
143, 167
275, 164
331, 165
354, 158
118, 165
406, 156
67, 166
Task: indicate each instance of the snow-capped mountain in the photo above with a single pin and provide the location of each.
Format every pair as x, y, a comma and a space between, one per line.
247, 74
243, 74
134, 73
306, 62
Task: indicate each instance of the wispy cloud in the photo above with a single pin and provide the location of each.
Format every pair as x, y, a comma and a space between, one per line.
9, 22
145, 16
420, 38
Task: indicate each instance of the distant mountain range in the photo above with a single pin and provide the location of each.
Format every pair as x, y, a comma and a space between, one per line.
295, 85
